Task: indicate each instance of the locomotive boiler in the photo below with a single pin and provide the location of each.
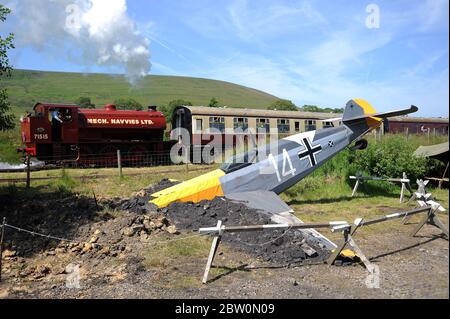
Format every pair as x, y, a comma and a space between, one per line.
60, 132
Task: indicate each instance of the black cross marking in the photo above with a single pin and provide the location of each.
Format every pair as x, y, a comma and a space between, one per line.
310, 151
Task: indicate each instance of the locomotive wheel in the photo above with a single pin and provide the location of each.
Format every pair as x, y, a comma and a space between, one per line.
87, 157
108, 155
137, 155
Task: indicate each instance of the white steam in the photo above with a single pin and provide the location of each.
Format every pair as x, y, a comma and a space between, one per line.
89, 32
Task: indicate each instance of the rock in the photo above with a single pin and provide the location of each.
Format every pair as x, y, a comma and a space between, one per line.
171, 229
144, 238
98, 232
58, 270
76, 249
105, 250
4, 293
22, 289
59, 251
142, 233
308, 250
149, 225
141, 193
9, 253
87, 247
159, 224
152, 212
41, 272
27, 272
130, 231
50, 253
93, 239
347, 263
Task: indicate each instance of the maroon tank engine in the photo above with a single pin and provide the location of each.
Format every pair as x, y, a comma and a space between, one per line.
59, 132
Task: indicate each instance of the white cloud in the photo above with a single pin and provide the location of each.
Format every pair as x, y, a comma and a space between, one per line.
339, 67
248, 22
88, 32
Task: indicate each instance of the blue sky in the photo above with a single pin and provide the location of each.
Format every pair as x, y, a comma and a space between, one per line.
311, 52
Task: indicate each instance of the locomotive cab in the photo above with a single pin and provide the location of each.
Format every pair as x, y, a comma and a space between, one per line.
51, 124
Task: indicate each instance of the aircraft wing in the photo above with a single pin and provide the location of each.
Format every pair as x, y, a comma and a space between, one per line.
269, 203
334, 119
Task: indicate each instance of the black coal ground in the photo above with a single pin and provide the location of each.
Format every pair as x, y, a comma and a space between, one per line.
274, 246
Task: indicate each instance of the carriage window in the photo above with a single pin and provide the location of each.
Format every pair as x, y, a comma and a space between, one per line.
263, 125
283, 125
198, 125
217, 122
328, 124
297, 126
310, 125
240, 123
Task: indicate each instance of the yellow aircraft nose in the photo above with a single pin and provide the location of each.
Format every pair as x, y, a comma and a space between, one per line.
203, 187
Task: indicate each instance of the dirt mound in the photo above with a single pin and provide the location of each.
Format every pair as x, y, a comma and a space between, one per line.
139, 202
278, 246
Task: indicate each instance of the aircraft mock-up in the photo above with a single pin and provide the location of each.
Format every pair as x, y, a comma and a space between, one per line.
257, 182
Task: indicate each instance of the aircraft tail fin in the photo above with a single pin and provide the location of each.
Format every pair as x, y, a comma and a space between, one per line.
359, 112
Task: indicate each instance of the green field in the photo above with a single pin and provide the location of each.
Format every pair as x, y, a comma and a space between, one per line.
26, 88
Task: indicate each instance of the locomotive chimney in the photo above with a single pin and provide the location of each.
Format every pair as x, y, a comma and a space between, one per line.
110, 107
151, 108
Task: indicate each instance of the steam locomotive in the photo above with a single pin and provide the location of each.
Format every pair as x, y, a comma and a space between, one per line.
60, 132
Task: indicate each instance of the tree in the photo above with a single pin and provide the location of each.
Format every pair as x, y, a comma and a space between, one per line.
213, 102
315, 108
85, 102
310, 108
283, 105
128, 104
7, 120
167, 110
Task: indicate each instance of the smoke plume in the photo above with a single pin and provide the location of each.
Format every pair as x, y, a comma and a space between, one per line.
89, 32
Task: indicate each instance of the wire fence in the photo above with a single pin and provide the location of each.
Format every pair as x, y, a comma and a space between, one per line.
33, 233
109, 159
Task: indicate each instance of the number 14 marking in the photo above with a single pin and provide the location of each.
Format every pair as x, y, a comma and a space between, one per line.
286, 162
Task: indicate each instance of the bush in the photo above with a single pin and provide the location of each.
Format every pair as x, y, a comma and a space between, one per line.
168, 110
128, 104
338, 166
283, 105
389, 158
213, 102
85, 102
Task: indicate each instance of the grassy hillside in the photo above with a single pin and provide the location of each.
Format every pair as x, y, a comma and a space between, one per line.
28, 87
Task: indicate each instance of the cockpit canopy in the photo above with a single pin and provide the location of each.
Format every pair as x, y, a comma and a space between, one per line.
240, 161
